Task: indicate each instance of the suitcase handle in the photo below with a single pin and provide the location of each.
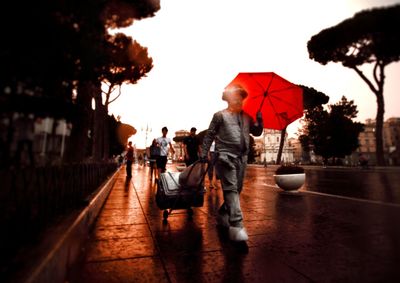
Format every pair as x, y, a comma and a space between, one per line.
204, 173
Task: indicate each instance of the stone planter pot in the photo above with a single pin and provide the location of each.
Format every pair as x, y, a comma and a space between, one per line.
290, 182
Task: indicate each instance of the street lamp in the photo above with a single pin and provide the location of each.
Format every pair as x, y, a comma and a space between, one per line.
146, 131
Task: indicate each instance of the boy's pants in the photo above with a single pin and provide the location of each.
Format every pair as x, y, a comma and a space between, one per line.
231, 171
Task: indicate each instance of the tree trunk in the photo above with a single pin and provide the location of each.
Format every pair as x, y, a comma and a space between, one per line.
380, 158
379, 77
305, 156
98, 128
101, 135
77, 148
106, 136
6, 157
281, 144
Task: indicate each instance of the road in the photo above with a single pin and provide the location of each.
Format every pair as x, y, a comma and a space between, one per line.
293, 237
373, 185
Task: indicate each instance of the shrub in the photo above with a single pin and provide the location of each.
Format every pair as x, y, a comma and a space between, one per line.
289, 169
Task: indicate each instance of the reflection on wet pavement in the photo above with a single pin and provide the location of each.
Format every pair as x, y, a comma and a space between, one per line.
374, 185
292, 237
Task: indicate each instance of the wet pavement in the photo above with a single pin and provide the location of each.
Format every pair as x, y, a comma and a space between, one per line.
375, 184
293, 237
379, 184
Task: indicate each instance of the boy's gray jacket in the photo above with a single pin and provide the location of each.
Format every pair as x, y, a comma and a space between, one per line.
231, 133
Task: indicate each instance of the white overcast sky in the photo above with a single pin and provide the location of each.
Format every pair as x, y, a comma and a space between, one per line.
199, 46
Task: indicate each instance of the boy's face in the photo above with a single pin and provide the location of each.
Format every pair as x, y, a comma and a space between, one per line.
164, 132
235, 102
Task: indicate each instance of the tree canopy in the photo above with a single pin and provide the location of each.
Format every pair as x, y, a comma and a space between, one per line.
51, 46
332, 134
370, 37
313, 97
57, 53
128, 62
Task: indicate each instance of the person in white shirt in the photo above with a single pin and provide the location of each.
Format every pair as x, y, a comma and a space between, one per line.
163, 143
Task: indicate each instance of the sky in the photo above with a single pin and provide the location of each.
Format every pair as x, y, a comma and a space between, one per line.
199, 46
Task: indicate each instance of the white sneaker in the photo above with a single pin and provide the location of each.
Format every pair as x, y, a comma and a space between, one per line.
223, 220
238, 234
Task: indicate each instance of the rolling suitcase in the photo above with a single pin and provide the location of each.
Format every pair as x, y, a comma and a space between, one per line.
174, 192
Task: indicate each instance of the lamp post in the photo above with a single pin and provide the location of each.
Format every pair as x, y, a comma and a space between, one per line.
146, 131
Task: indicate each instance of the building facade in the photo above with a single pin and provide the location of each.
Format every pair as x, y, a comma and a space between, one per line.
267, 147
391, 141
297, 149
367, 142
178, 145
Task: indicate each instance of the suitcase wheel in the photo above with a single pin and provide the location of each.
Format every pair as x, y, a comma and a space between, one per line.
165, 214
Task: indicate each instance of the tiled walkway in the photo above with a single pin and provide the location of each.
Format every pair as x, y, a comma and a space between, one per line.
292, 238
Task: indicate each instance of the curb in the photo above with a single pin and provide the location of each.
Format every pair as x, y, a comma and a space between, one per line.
67, 240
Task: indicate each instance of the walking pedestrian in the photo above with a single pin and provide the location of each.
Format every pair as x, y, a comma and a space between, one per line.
140, 159
163, 142
120, 160
191, 147
25, 131
154, 153
129, 159
211, 166
230, 128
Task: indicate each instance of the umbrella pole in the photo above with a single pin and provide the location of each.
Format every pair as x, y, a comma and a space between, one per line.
262, 101
281, 144
266, 92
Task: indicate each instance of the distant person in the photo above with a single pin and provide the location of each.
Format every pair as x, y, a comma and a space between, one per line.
211, 166
140, 159
324, 162
120, 160
145, 158
129, 159
163, 142
191, 147
230, 128
363, 161
154, 153
25, 131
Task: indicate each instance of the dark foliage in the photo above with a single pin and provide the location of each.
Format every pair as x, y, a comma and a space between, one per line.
289, 169
332, 134
120, 133
370, 37
57, 53
313, 97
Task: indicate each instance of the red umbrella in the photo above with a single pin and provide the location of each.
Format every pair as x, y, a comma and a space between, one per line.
280, 101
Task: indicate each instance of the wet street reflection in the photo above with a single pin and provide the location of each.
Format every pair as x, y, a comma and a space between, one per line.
293, 237
372, 184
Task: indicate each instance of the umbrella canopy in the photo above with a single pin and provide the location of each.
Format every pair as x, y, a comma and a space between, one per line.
280, 101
